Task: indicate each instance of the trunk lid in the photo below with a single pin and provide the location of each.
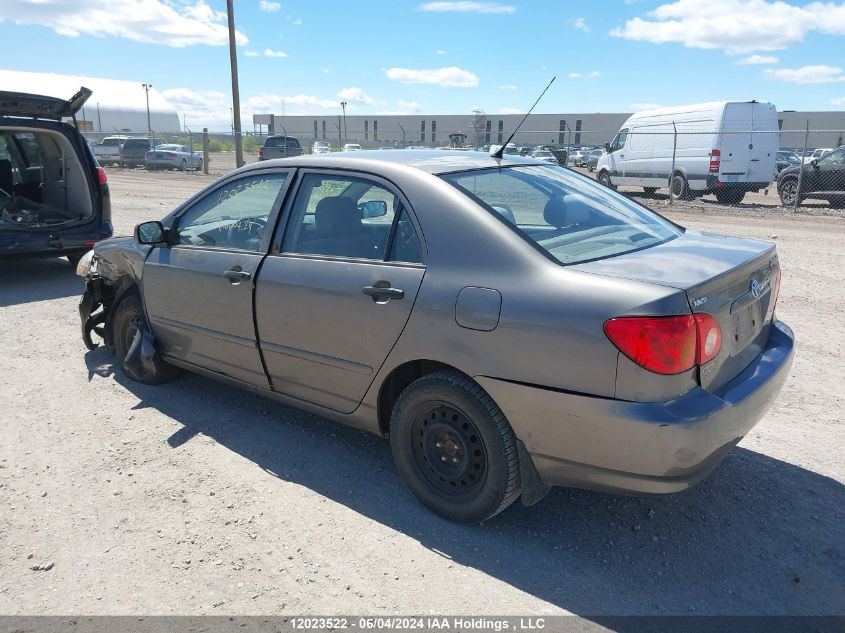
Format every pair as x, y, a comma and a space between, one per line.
733, 279
40, 106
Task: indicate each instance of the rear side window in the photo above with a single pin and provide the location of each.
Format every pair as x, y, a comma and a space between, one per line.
572, 218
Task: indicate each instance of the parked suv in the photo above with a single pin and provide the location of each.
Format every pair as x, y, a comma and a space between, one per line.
135, 149
822, 178
280, 147
54, 196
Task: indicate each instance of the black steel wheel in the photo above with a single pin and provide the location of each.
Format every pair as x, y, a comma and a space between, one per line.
127, 323
454, 447
604, 178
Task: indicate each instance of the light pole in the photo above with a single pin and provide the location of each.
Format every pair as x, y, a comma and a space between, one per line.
236, 97
149, 125
345, 135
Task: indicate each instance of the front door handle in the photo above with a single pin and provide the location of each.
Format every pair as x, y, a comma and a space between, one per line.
382, 291
236, 274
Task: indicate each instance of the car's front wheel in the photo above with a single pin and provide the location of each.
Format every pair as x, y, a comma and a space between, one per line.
604, 178
127, 323
788, 191
454, 447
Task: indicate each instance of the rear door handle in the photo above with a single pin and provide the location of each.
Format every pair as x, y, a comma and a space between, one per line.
236, 274
383, 290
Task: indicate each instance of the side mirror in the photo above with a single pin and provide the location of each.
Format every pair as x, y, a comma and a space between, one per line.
815, 163
607, 147
373, 208
151, 233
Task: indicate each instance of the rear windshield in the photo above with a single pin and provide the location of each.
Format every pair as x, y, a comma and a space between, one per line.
280, 142
573, 218
110, 142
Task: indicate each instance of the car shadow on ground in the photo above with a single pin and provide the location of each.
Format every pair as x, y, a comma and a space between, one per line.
37, 279
759, 536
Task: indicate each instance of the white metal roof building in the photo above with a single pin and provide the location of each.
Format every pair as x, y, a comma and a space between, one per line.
115, 107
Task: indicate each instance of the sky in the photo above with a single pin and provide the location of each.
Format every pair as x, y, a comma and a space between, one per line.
442, 57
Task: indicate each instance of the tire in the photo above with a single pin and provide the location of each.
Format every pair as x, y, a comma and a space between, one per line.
183, 166
729, 196
454, 447
128, 318
679, 189
649, 191
604, 178
788, 190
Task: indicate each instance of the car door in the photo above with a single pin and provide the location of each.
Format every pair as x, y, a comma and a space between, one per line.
829, 172
616, 157
198, 289
337, 288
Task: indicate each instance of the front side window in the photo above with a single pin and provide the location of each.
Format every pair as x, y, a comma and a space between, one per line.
620, 140
573, 219
234, 215
834, 158
341, 216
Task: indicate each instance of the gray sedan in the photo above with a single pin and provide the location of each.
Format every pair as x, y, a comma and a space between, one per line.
172, 156
510, 325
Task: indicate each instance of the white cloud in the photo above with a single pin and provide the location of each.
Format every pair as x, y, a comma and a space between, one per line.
295, 104
355, 95
838, 101
439, 51
593, 74
205, 108
268, 6
508, 87
296, 21
818, 74
758, 60
639, 107
150, 21
736, 26
252, 53
269, 52
467, 6
510, 111
449, 77
404, 107
580, 24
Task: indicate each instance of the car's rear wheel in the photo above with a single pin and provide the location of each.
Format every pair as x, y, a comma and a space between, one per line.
604, 178
788, 191
127, 323
183, 166
454, 447
729, 196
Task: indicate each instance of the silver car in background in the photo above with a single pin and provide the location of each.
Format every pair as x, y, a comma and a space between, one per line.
509, 324
172, 156
593, 158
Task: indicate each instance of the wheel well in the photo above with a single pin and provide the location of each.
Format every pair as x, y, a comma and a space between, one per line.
395, 384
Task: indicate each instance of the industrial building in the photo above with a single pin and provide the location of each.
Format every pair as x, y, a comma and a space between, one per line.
432, 130
116, 107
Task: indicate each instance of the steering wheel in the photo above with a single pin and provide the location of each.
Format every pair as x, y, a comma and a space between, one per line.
242, 230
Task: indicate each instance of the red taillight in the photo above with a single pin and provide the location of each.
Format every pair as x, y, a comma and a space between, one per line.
715, 160
708, 338
170, 154
101, 176
666, 345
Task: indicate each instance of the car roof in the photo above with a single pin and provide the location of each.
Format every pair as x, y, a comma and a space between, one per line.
432, 161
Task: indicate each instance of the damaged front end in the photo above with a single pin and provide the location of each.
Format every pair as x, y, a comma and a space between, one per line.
105, 286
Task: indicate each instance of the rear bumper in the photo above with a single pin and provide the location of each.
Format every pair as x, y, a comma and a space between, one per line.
23, 244
642, 447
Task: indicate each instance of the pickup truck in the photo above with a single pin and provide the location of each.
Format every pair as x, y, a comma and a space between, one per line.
107, 152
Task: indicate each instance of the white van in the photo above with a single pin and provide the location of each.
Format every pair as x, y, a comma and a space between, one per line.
727, 148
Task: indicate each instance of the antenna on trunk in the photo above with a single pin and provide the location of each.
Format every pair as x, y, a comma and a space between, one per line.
501, 150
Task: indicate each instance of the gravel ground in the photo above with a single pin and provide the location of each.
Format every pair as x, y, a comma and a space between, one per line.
195, 498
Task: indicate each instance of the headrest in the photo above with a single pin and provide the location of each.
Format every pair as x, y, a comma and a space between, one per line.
337, 215
567, 209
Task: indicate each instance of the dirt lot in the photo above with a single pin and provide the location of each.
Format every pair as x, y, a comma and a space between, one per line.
196, 498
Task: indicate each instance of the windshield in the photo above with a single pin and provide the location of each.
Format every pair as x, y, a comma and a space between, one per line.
573, 218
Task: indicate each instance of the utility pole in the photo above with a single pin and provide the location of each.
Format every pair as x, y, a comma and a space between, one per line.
403, 136
236, 97
345, 133
339, 131
149, 125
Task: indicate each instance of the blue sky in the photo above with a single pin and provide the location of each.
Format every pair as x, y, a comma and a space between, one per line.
442, 57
